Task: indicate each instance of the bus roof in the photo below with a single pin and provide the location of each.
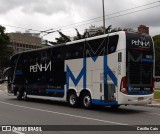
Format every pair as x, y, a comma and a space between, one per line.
77, 41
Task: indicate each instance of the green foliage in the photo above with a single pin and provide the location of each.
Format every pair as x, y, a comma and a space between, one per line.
6, 51
4, 39
60, 40
63, 38
156, 40
109, 29
156, 95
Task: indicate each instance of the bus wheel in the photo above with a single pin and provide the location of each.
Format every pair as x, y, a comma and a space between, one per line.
86, 100
24, 96
19, 95
73, 99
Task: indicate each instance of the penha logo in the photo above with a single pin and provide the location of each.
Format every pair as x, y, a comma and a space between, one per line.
140, 43
40, 67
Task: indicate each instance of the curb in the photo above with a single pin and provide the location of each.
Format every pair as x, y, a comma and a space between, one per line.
153, 105
157, 99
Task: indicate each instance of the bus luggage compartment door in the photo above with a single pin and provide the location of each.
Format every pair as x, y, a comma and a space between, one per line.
109, 91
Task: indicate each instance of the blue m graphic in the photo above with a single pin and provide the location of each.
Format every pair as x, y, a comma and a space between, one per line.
82, 74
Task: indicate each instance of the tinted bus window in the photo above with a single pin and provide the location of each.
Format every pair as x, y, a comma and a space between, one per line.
99, 47
74, 51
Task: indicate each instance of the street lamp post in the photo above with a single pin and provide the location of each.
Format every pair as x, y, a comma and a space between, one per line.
103, 17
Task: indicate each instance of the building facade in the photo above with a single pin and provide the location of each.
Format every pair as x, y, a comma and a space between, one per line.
93, 30
24, 41
143, 29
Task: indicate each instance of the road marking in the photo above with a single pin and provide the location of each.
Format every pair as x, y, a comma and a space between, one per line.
65, 114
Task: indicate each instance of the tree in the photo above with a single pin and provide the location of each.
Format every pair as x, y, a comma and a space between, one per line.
79, 36
86, 34
107, 30
156, 40
60, 40
64, 37
6, 51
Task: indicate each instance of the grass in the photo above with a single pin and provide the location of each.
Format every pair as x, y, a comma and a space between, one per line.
156, 95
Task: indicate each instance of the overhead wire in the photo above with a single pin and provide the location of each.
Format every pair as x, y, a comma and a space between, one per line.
109, 14
114, 17
81, 23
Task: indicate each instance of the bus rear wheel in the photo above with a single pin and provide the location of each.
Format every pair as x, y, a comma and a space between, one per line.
24, 96
86, 100
19, 95
73, 99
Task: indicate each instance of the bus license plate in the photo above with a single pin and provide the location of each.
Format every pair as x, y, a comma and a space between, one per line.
140, 98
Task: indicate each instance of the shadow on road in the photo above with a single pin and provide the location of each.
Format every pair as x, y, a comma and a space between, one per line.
124, 110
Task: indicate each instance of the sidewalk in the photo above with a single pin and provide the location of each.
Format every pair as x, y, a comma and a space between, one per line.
3, 87
155, 103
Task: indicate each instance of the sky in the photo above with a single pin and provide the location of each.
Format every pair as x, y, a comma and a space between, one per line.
41, 15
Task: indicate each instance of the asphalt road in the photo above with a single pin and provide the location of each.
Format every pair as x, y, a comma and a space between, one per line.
40, 112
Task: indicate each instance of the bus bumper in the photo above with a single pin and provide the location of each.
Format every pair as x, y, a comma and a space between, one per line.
124, 99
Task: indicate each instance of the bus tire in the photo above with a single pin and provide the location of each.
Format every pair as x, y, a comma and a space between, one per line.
24, 96
19, 95
86, 100
72, 99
